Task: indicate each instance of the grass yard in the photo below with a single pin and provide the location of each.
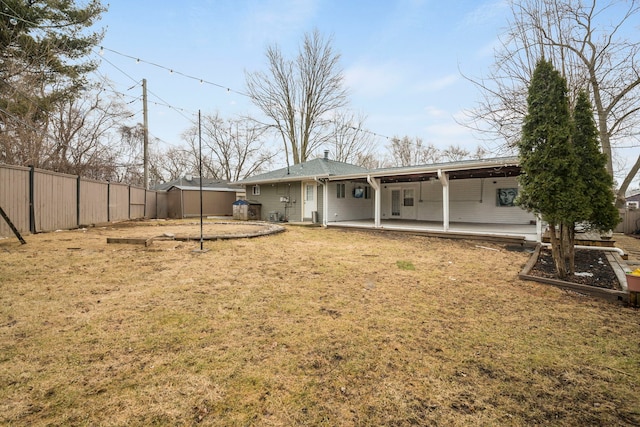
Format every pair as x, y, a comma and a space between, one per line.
307, 327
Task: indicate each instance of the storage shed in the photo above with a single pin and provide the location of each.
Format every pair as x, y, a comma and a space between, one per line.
183, 197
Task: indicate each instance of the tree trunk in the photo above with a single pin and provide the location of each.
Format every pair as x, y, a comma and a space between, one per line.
563, 249
557, 251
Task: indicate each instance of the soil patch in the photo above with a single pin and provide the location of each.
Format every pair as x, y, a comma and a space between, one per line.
592, 269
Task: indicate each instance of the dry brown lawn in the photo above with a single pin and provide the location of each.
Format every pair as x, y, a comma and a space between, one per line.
307, 327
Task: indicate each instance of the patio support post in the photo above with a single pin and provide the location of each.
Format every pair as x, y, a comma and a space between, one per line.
376, 200
325, 200
538, 229
444, 180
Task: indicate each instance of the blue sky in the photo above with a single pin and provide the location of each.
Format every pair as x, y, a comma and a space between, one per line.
402, 59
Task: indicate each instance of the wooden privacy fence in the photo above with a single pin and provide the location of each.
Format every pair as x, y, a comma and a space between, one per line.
38, 200
630, 223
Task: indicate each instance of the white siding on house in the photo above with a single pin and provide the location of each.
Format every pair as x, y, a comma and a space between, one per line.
348, 208
470, 200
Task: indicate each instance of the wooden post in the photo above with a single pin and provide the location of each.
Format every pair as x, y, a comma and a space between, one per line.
13, 227
633, 299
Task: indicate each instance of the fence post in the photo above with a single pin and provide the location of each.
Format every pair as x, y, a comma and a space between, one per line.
78, 200
32, 207
108, 201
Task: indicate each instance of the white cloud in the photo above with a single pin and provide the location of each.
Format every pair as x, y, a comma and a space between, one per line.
273, 21
373, 81
484, 13
435, 112
438, 84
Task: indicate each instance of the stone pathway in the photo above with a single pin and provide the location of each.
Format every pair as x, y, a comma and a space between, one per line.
631, 246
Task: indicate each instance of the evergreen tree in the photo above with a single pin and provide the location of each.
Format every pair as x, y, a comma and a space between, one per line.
597, 181
550, 182
43, 49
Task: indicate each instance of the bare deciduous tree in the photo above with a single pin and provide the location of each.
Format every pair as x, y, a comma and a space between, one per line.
349, 143
85, 138
170, 164
232, 149
296, 95
455, 153
409, 152
587, 43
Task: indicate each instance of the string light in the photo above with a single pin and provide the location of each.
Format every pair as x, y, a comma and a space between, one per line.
202, 82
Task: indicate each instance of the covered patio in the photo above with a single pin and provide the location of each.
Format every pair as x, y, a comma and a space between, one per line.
507, 233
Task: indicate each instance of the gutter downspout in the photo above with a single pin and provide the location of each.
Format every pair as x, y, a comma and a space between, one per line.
325, 201
444, 180
376, 201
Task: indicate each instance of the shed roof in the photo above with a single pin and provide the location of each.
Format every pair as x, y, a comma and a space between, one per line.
184, 183
197, 188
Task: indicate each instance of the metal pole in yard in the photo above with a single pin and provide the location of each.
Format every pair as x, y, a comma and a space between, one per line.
200, 173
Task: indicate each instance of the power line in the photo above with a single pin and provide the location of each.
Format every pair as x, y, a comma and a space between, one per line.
173, 71
204, 81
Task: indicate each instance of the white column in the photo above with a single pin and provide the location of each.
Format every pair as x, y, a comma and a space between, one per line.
444, 180
325, 203
538, 229
375, 184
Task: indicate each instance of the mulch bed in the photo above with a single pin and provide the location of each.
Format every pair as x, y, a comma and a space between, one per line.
599, 272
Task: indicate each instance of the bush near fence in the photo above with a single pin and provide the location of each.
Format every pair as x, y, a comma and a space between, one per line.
37, 200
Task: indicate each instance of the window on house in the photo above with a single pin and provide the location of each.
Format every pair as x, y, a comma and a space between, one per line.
255, 190
340, 193
367, 192
408, 197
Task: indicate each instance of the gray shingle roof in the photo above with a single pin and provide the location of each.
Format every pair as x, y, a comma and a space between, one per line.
316, 168
209, 183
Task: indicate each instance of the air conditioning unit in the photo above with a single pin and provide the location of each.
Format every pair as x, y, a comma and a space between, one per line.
632, 204
274, 216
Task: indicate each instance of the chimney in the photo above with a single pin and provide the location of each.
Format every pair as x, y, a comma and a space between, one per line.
326, 154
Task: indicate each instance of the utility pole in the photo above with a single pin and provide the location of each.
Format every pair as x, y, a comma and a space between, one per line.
145, 114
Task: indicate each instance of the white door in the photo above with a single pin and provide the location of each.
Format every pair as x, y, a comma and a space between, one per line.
403, 203
310, 203
408, 203
396, 211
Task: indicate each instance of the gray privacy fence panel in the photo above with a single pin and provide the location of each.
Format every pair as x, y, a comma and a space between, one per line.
151, 204
65, 201
630, 223
162, 210
137, 206
93, 202
55, 201
14, 198
118, 202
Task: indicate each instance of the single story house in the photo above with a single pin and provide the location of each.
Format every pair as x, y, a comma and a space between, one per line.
633, 200
471, 197
183, 197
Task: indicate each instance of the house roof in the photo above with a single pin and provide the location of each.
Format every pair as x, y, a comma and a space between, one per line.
186, 184
335, 171
316, 168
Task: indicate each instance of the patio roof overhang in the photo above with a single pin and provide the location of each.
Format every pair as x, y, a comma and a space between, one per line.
505, 171
495, 168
